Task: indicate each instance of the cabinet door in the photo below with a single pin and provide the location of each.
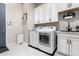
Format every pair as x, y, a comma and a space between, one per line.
62, 6
53, 12
75, 47
36, 16
33, 38
46, 12
62, 45
41, 14
75, 5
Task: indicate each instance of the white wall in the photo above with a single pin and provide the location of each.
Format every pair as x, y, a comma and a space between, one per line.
28, 8
14, 14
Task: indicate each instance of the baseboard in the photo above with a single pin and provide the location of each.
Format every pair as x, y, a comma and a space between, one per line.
44, 51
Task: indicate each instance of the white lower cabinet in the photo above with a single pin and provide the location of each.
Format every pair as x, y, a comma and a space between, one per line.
68, 44
63, 45
46, 13
75, 47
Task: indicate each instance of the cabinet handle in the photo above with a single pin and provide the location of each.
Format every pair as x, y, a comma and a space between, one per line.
70, 42
67, 41
69, 5
38, 21
49, 19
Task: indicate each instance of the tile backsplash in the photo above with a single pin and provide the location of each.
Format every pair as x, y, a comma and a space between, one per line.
73, 22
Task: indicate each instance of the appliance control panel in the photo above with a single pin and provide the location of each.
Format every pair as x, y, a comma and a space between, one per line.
45, 27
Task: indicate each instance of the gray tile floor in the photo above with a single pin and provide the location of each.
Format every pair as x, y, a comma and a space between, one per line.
24, 50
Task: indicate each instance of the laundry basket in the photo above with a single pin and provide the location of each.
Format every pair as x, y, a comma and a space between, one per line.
19, 38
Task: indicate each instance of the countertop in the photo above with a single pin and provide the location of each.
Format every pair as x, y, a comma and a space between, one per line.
71, 34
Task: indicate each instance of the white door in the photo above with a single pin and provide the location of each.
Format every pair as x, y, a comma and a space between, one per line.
62, 45
62, 6
36, 20
33, 38
75, 47
53, 12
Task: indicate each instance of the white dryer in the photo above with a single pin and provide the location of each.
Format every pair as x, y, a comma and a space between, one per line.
47, 39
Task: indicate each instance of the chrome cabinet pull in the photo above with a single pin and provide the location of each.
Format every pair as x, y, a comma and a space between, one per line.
67, 41
69, 5
50, 19
70, 42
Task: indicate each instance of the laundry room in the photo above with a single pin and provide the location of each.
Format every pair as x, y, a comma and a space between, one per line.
39, 29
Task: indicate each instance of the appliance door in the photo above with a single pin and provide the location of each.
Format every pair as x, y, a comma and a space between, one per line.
44, 39
47, 41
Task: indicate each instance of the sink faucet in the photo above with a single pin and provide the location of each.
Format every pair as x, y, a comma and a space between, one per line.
68, 27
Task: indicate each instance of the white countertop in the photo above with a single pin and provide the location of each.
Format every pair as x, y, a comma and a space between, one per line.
68, 34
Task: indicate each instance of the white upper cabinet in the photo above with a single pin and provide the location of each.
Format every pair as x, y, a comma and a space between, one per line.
46, 13
75, 47
36, 20
62, 7
66, 6
53, 13
41, 14
75, 5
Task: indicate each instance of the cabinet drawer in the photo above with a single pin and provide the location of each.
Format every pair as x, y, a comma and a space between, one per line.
68, 34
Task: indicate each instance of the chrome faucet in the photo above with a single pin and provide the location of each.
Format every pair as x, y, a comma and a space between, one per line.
68, 27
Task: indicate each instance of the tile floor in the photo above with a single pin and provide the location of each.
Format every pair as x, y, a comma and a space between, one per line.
24, 50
